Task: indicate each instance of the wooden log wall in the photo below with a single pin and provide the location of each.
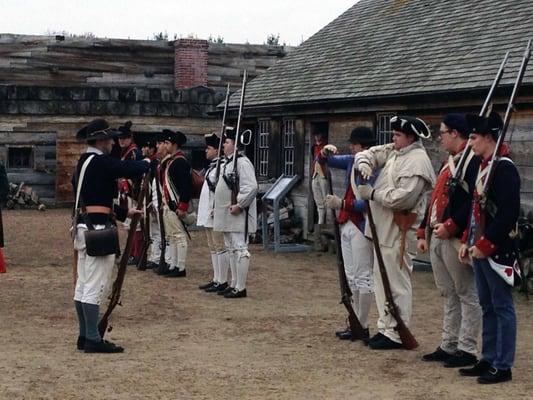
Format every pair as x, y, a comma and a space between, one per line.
75, 62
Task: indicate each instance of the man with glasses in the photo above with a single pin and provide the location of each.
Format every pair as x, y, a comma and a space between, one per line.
440, 232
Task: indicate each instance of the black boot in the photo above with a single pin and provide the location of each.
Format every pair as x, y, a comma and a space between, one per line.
176, 273
80, 345
102, 347
438, 355
460, 359
235, 294
494, 375
207, 285
479, 369
217, 287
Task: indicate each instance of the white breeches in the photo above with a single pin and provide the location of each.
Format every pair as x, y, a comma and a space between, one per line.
94, 273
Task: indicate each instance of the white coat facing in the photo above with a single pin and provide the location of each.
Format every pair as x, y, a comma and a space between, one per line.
206, 202
248, 188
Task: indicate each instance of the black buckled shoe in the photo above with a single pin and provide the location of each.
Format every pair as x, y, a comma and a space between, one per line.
438, 355
207, 285
235, 294
376, 337
342, 332
217, 287
346, 335
479, 369
151, 265
224, 291
494, 375
460, 359
102, 346
132, 260
176, 273
384, 343
80, 345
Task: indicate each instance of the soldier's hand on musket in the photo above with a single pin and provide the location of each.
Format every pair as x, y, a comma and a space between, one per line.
364, 169
464, 256
333, 202
476, 253
181, 214
235, 209
441, 232
366, 192
422, 245
328, 150
133, 211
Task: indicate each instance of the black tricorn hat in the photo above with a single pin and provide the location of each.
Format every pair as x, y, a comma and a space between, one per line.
410, 125
177, 137
230, 133
211, 139
490, 125
456, 121
96, 129
125, 130
145, 139
363, 135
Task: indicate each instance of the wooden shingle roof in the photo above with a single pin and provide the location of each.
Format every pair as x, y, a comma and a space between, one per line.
382, 48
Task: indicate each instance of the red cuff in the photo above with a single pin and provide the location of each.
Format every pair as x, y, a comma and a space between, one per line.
451, 226
486, 246
421, 233
183, 206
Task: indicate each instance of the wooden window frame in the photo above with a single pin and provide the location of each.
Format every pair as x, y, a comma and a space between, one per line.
289, 140
262, 154
383, 130
31, 159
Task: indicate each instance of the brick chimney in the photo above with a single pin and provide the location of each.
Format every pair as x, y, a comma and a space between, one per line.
190, 63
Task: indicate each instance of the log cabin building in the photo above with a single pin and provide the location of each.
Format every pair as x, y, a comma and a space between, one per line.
381, 57
50, 86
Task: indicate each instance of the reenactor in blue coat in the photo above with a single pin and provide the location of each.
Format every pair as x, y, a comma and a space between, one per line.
490, 245
95, 187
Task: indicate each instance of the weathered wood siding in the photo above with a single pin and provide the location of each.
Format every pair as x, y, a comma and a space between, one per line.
46, 61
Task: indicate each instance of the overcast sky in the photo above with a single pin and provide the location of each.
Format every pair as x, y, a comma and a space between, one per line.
236, 21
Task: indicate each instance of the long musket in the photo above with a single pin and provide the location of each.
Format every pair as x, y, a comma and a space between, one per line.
121, 274
408, 340
234, 178
358, 332
222, 133
455, 181
163, 241
145, 228
506, 120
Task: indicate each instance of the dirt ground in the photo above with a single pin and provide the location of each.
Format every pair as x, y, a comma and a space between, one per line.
182, 343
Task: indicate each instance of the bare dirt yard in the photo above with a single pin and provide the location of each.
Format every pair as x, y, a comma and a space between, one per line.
182, 343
